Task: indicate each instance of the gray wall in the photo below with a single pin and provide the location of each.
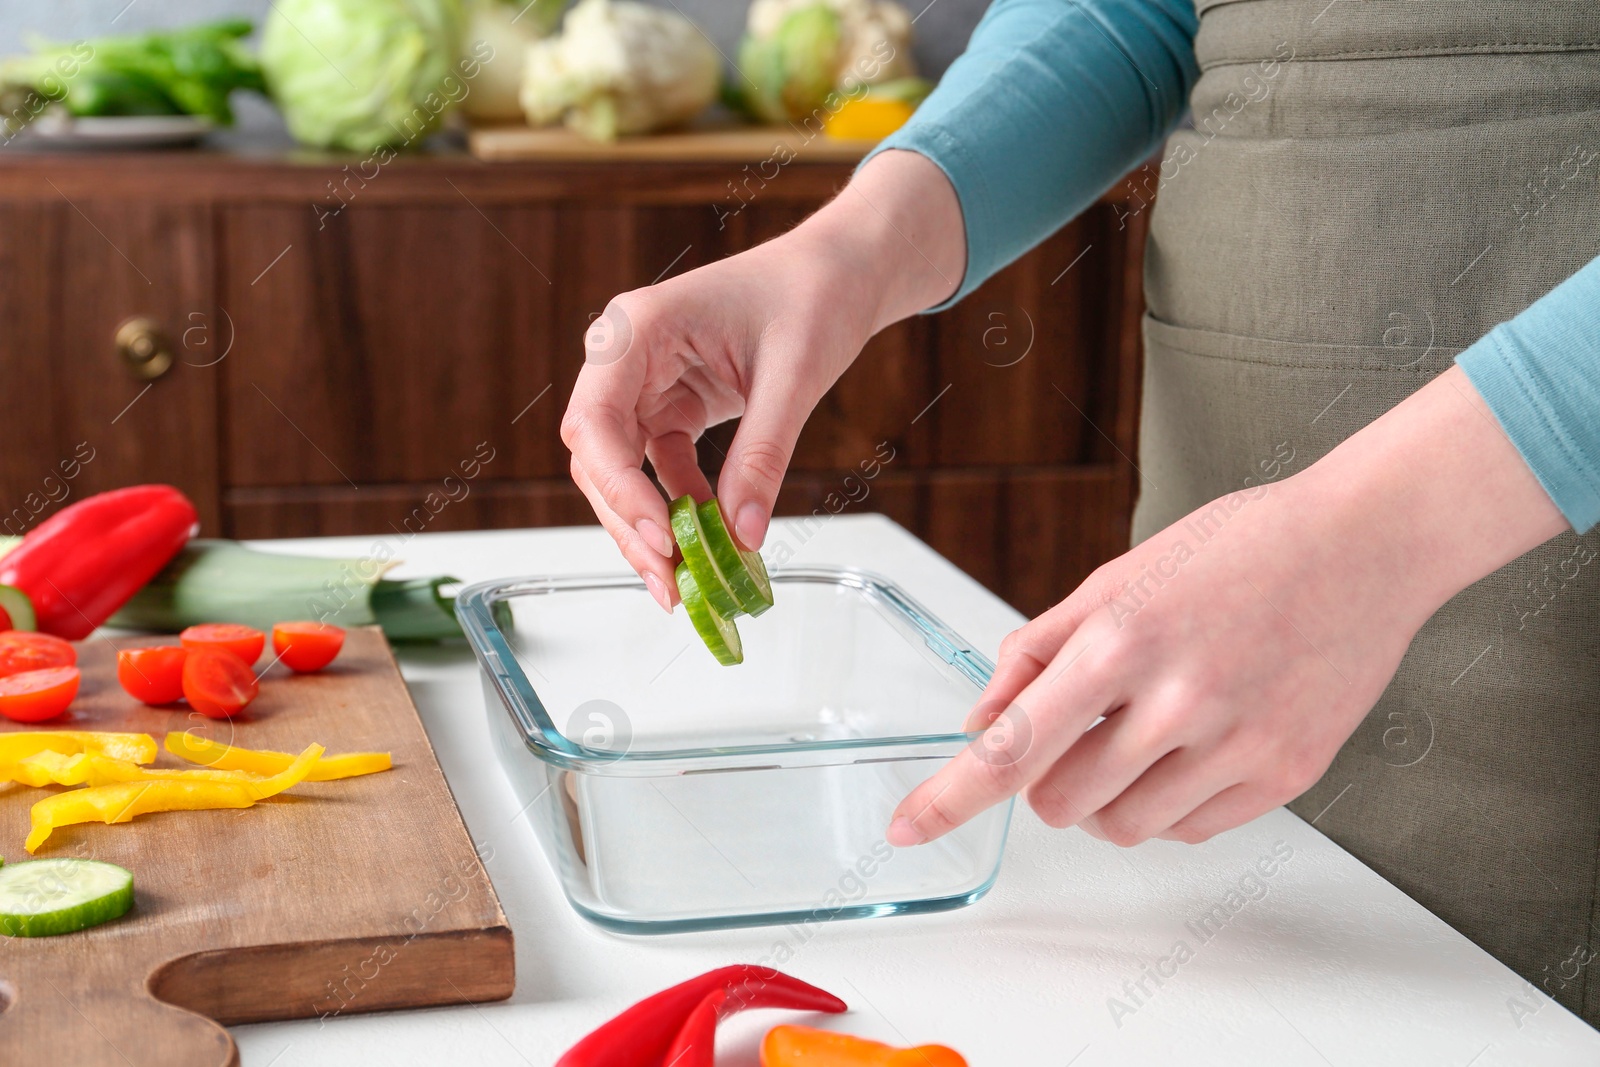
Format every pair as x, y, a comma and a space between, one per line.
942, 27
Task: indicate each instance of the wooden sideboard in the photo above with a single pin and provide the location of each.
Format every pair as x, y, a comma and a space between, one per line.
347, 347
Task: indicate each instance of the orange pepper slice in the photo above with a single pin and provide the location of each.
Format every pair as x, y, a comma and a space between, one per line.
805, 1046
218, 756
122, 801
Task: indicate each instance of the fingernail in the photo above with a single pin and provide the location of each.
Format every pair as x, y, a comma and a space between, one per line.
902, 834
657, 590
655, 537
751, 526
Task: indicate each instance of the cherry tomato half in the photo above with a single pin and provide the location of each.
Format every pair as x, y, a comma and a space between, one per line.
27, 651
152, 675
217, 684
307, 646
246, 642
34, 696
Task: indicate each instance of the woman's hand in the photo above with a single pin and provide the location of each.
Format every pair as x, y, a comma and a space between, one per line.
760, 335
1234, 652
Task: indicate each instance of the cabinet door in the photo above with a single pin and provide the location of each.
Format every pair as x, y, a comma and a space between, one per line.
387, 346
396, 346
79, 420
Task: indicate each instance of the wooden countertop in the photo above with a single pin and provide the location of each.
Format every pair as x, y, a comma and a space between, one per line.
685, 167
693, 167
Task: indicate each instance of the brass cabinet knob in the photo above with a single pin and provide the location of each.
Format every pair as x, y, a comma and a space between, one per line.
144, 348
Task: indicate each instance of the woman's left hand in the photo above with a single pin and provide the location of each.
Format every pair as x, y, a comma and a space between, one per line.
1234, 652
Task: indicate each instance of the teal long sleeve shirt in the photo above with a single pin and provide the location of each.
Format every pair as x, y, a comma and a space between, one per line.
1054, 100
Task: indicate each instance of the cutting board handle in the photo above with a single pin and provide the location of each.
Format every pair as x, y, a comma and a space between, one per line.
92, 1019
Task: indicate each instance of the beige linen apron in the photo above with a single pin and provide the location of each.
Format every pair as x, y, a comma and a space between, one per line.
1371, 185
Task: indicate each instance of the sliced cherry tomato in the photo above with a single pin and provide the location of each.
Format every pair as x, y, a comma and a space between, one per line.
218, 684
307, 646
152, 675
246, 642
27, 651
34, 696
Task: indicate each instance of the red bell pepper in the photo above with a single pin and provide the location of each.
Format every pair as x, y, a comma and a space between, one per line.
696, 1044
673, 1018
83, 563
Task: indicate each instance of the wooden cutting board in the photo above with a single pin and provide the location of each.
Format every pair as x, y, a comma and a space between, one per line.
736, 144
349, 896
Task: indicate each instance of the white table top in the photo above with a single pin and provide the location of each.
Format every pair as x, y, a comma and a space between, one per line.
1322, 963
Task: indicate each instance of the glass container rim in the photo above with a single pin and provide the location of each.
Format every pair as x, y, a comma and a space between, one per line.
475, 607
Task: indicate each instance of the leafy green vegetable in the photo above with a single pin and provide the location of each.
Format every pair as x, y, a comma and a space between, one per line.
190, 71
364, 74
116, 92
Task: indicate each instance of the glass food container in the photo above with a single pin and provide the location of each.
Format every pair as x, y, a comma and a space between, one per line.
671, 793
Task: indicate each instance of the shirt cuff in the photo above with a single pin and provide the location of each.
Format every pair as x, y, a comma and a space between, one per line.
947, 152
1538, 415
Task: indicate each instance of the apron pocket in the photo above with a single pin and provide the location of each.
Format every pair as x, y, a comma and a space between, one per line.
1223, 412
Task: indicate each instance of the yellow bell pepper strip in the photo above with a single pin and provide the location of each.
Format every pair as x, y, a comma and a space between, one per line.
49, 768
91, 768
102, 770
216, 755
867, 119
121, 802
804, 1046
138, 748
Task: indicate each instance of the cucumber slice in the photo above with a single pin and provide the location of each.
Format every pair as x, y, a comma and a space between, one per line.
745, 573
39, 898
714, 628
18, 607
691, 538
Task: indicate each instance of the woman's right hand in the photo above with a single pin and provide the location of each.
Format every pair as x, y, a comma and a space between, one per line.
759, 336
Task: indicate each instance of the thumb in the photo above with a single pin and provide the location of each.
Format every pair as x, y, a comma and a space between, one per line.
758, 459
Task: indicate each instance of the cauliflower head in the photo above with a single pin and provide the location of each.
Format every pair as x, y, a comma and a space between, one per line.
619, 67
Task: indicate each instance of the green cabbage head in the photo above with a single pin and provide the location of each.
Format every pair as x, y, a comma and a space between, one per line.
363, 74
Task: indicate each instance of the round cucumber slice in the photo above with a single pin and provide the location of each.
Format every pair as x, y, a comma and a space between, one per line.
18, 608
745, 573
39, 898
714, 628
691, 538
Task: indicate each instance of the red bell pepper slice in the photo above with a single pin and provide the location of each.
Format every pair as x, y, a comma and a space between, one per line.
83, 563
644, 1034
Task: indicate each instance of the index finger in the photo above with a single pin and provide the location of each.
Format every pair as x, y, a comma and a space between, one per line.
603, 433
1027, 651
1024, 740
